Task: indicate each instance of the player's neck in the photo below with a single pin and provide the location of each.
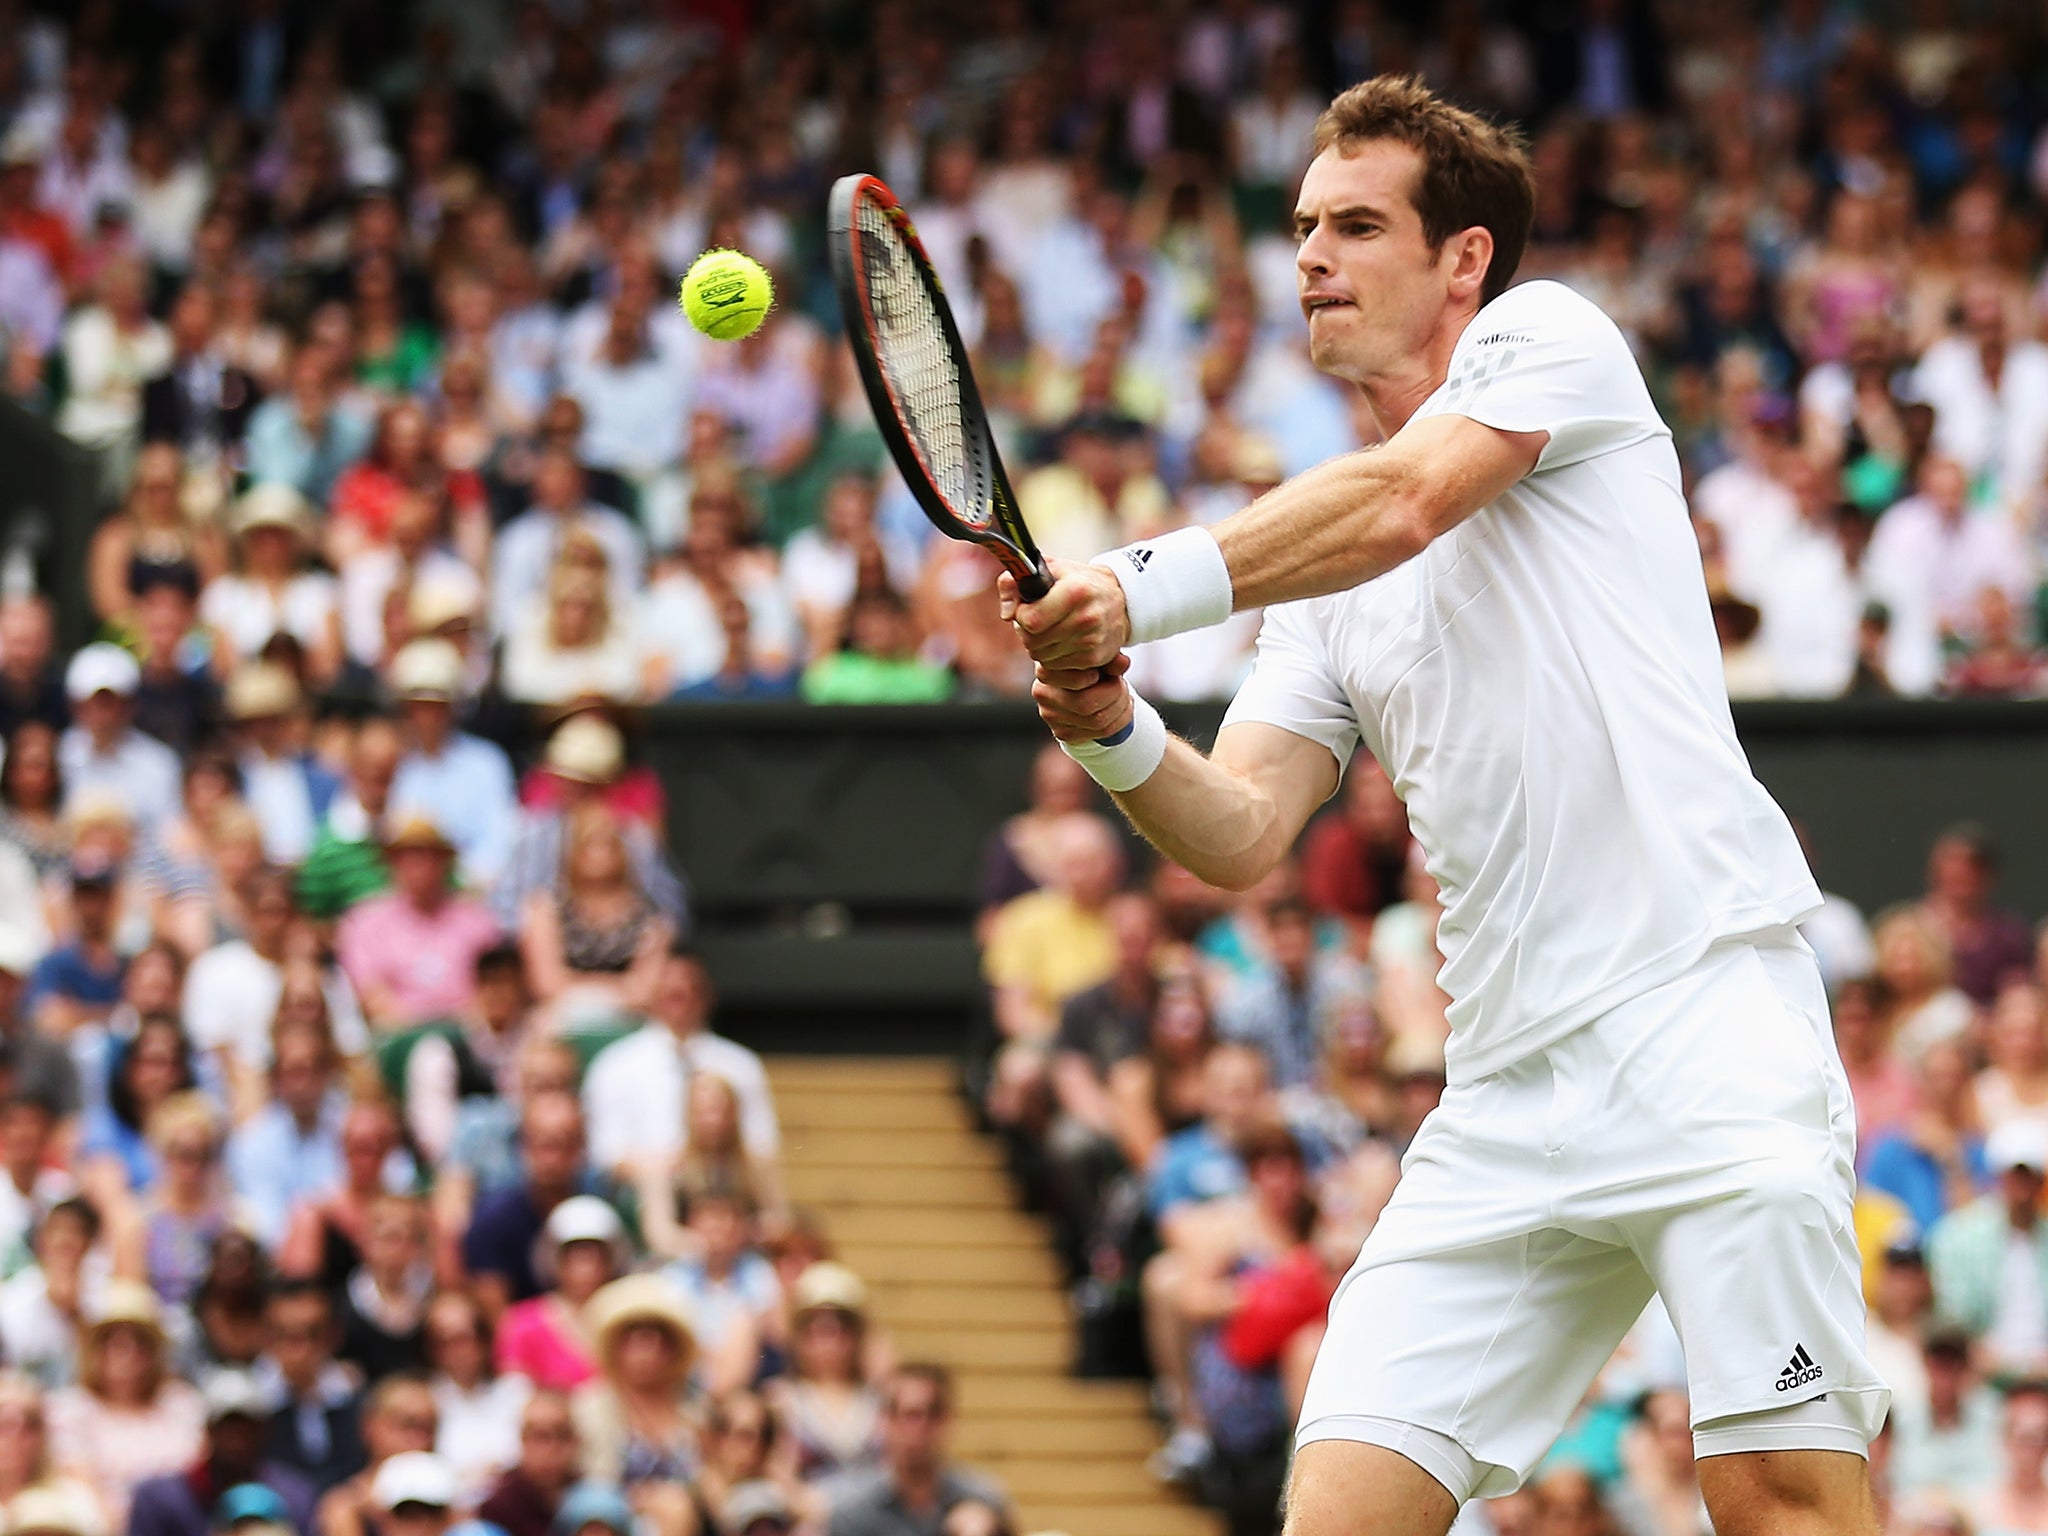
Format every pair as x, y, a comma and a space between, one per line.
1395, 396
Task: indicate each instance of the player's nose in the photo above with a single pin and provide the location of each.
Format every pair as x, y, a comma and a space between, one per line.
1311, 257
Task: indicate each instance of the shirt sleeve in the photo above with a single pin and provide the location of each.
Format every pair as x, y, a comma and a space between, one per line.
1293, 686
1540, 358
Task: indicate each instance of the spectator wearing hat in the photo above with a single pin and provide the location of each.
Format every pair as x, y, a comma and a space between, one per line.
546, 1339
1976, 1254
831, 1411
592, 1509
585, 763
462, 781
412, 582
411, 952
532, 1493
416, 1494
128, 1418
233, 1482
272, 590
305, 436
177, 700
26, 1471
289, 790
103, 753
917, 1485
346, 863
31, 682
1947, 1438
636, 1088
78, 983
640, 1417
40, 1067
62, 1508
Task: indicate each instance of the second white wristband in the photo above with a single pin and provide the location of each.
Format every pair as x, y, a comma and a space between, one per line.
1129, 758
1173, 583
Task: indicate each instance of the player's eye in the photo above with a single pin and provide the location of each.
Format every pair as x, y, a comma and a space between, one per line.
1361, 227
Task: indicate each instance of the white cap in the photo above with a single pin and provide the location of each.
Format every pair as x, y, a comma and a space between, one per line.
427, 669
414, 1477
2018, 1143
102, 668
584, 1219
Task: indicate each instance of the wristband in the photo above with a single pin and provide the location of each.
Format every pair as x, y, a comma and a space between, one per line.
1131, 756
1173, 583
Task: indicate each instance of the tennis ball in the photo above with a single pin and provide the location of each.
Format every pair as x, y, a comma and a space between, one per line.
726, 294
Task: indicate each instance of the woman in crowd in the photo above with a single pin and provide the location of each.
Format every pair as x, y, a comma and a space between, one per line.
1160, 1092
116, 1157
170, 1240
714, 1156
595, 950
400, 462
1019, 855
745, 1442
150, 532
181, 865
326, 1235
480, 1408
1934, 1162
44, 1306
32, 798
1880, 1083
832, 1412
547, 1339
25, 1461
1920, 1003
580, 649
640, 1419
271, 590
127, 1418
2014, 1086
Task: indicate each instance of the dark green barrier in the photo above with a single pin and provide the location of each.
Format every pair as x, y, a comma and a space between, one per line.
49, 504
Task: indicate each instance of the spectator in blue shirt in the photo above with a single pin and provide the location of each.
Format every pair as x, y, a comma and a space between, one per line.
462, 782
1934, 1163
497, 1250
290, 1150
1202, 1163
79, 981
114, 1152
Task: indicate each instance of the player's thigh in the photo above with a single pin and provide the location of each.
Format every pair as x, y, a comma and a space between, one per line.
1490, 1347
1788, 1493
1346, 1488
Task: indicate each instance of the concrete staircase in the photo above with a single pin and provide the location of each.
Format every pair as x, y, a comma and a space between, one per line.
919, 1205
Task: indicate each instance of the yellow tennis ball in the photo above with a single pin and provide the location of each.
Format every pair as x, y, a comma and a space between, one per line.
726, 294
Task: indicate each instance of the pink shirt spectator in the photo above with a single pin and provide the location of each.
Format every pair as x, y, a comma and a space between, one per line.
535, 1340
409, 966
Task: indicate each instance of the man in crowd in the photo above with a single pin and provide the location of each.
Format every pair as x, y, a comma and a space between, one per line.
103, 753
316, 1429
527, 1497
497, 1249
411, 953
1990, 1258
237, 1426
290, 1150
917, 1485
462, 781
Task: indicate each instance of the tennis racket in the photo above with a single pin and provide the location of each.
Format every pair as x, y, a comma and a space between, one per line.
918, 381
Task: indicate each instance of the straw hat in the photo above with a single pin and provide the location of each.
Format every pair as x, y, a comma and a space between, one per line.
639, 1299
262, 691
828, 1286
272, 504
588, 749
417, 829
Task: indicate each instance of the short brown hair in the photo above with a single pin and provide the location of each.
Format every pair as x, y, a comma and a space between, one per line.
1474, 173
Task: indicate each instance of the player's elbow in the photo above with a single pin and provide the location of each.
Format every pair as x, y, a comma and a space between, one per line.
1237, 872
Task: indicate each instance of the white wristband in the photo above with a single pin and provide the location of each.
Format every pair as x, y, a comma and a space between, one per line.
1173, 583
1131, 756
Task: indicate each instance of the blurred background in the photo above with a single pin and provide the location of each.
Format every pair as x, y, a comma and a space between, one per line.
548, 977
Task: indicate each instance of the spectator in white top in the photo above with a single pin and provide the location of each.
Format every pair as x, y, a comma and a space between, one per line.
821, 565
110, 350
634, 1092
31, 300
635, 398
1807, 595
1930, 558
168, 196
529, 543
1990, 396
417, 559
272, 590
103, 754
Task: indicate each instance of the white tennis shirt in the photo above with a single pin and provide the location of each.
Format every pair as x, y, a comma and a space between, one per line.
1543, 686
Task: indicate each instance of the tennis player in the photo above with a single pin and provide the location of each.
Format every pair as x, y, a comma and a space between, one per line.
1504, 601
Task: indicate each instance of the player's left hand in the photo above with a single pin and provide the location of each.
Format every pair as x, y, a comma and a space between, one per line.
1081, 623
1084, 703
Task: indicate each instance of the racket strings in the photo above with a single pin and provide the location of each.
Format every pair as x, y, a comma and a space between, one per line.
923, 376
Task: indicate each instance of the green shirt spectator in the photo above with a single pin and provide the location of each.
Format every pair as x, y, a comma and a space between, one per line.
878, 662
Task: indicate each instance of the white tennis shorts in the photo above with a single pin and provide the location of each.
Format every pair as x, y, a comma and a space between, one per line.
1698, 1140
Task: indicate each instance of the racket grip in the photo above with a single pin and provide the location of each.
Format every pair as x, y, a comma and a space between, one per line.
1034, 583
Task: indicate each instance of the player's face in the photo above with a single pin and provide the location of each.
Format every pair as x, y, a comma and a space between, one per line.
1372, 287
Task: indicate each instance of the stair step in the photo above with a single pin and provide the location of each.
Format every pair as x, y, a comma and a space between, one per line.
1064, 1478
1161, 1518
1044, 1436
899, 1074
883, 1264
866, 1147
877, 1109
985, 1306
984, 1349
927, 1188
938, 1229
1055, 1395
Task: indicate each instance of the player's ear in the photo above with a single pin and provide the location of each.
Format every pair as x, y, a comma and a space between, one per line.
1471, 253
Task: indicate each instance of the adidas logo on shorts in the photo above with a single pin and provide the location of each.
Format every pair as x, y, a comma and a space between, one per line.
1799, 1371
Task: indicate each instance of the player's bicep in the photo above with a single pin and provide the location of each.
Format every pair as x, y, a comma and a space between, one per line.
1460, 464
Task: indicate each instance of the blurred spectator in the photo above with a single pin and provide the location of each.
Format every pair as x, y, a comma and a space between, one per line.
31, 806
103, 755
411, 953
529, 546
462, 782
582, 1249
1018, 856
1934, 1161
1975, 1253
731, 1292
1354, 858
384, 1299
1881, 1086
497, 1248
831, 1411
40, 1068
346, 861
524, 1501
916, 1478
285, 786
290, 1149
177, 700
1949, 1441
480, 1409
876, 661
638, 1419
152, 534
1988, 945
316, 1426
305, 436
31, 681
1914, 969
44, 1306
273, 591
110, 349
2014, 1087
2015, 1502
1279, 1008
200, 404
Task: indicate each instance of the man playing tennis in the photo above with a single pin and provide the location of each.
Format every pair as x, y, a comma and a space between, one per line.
1505, 602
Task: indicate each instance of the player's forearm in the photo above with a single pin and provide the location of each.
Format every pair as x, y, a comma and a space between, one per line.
1210, 820
1344, 522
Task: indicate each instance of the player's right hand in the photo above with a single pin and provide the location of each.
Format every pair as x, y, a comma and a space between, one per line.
1084, 703
1082, 622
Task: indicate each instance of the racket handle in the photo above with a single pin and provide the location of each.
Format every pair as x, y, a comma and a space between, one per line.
1034, 583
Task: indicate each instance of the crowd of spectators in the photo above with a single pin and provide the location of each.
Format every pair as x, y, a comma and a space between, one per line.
369, 320
1211, 1095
